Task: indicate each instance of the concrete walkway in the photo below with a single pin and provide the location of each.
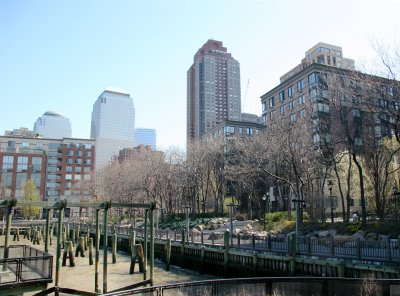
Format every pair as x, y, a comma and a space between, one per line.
81, 277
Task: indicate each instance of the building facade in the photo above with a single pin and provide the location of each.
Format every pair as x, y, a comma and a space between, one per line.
57, 167
21, 132
146, 136
53, 125
213, 89
138, 153
113, 124
337, 106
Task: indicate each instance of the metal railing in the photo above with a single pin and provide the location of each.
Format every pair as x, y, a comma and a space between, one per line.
25, 265
385, 251
272, 286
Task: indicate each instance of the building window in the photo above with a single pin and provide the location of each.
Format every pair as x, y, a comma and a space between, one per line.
271, 115
8, 163
282, 109
271, 102
292, 105
290, 91
264, 106
323, 107
301, 100
249, 131
300, 85
302, 113
229, 130
282, 95
88, 146
383, 103
22, 165
25, 144
292, 117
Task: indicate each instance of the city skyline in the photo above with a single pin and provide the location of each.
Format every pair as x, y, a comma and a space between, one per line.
50, 62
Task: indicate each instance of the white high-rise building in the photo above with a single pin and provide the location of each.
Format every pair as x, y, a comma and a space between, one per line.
146, 136
53, 125
113, 124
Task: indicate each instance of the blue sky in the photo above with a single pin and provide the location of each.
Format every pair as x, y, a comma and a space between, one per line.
60, 55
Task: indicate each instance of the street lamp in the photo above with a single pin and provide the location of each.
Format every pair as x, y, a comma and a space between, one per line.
231, 221
264, 198
330, 186
187, 222
297, 204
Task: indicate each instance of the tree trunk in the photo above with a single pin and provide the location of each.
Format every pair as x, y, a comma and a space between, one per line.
362, 192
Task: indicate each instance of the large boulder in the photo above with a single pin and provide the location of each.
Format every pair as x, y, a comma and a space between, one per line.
358, 235
371, 236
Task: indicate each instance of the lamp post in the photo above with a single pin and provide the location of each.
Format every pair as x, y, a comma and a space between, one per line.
187, 222
231, 222
297, 204
330, 186
264, 199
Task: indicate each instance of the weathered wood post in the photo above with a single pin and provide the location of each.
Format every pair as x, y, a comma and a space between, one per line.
341, 269
80, 248
168, 254
91, 251
226, 251
68, 254
60, 205
46, 238
202, 237
202, 256
269, 242
389, 250
255, 262
292, 251
238, 239
358, 248
16, 234
152, 241
114, 248
64, 238
10, 204
72, 236
96, 266
32, 229
253, 242
146, 215
183, 248
107, 206
136, 254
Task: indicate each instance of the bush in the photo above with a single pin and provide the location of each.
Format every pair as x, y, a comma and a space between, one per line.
353, 227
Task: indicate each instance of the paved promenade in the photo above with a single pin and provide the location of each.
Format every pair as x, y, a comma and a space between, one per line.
81, 277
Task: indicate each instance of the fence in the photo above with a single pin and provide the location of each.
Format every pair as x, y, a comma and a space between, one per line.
385, 251
25, 264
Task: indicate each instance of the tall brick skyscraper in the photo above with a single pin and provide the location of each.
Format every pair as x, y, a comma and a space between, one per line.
213, 89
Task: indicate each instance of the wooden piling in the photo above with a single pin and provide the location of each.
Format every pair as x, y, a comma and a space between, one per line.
90, 251
16, 234
114, 248
68, 254
168, 254
80, 248
226, 252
